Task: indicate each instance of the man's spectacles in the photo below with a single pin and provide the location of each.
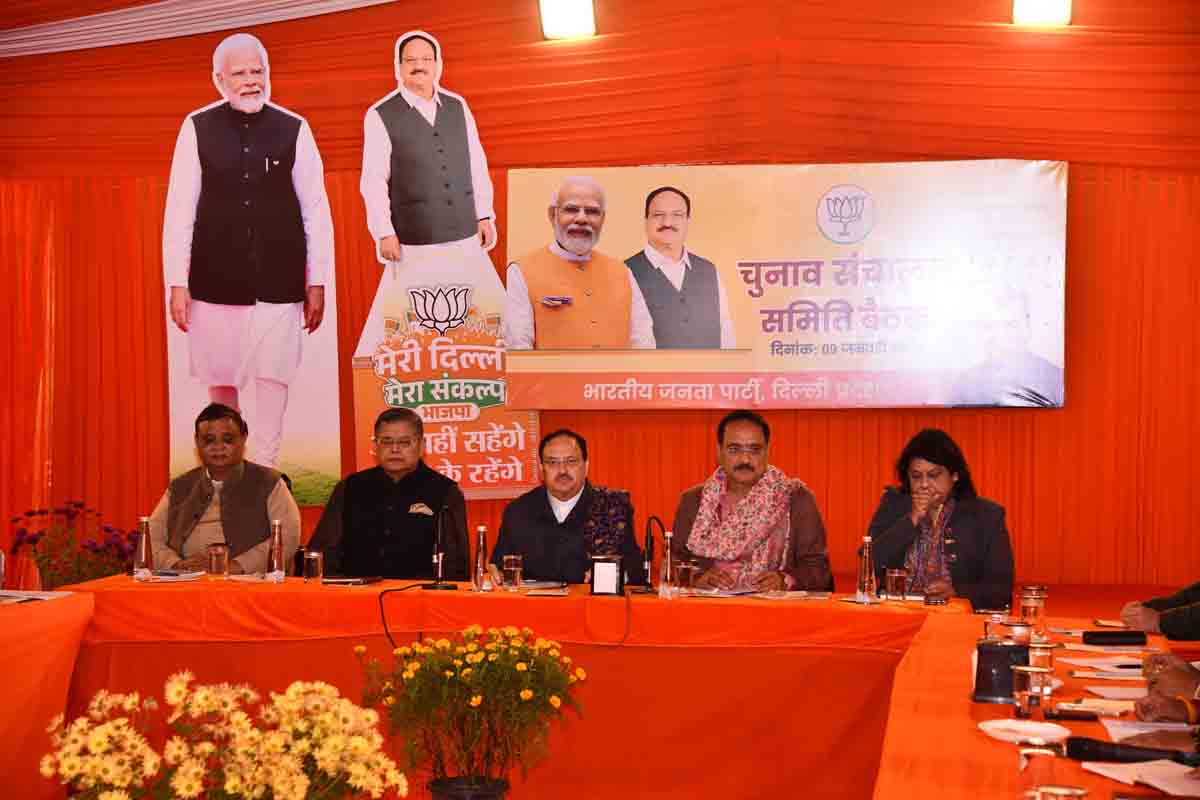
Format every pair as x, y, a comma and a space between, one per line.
570, 463
395, 444
414, 60
748, 449
663, 216
572, 210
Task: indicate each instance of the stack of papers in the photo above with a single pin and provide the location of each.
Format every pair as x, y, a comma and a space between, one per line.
1176, 780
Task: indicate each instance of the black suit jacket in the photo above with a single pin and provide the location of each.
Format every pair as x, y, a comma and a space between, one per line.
977, 546
555, 551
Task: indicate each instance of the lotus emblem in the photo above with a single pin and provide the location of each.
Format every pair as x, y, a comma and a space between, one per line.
846, 214
441, 309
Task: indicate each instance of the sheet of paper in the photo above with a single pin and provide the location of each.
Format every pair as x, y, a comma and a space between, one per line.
1115, 675
1104, 705
1099, 648
796, 595
1123, 729
1118, 692
1125, 773
1176, 780
561, 591
1109, 623
16, 596
1106, 663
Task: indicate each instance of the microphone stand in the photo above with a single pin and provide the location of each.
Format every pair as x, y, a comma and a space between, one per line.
438, 555
648, 562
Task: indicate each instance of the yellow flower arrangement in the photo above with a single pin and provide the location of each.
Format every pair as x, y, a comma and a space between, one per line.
307, 743
476, 706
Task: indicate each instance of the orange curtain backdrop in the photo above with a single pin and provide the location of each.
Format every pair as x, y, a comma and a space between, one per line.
1098, 492
28, 258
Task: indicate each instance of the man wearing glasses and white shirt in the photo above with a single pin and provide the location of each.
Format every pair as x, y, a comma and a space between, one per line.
569, 296
683, 291
749, 527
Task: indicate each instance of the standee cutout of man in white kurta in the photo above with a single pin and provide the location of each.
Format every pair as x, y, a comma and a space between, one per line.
247, 240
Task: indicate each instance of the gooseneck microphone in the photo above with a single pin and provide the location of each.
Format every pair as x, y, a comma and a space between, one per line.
438, 552
648, 563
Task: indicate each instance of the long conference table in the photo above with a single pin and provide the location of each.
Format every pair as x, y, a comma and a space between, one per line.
692, 697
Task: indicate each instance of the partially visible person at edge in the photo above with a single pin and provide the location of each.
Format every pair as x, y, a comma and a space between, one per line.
934, 525
1173, 695
226, 500
749, 526
384, 520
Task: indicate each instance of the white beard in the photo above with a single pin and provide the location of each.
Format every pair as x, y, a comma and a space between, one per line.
248, 105
575, 244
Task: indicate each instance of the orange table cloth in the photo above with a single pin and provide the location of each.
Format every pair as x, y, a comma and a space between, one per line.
38, 644
693, 697
933, 746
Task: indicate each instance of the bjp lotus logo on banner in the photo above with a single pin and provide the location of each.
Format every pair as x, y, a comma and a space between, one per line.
435, 348
846, 214
441, 309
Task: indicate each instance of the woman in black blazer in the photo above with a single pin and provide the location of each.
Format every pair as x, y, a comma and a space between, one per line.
934, 524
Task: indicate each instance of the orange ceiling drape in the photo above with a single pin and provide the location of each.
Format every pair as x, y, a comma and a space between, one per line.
1097, 492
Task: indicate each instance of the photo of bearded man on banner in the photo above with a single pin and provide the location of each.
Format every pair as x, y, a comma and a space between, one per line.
431, 341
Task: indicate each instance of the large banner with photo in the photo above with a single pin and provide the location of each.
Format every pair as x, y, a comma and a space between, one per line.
847, 285
432, 343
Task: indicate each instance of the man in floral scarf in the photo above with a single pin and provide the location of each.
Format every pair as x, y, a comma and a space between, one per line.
749, 526
558, 526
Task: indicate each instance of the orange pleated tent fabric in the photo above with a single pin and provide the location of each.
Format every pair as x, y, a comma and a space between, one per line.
1099, 492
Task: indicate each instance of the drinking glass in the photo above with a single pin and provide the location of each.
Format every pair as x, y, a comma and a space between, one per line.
895, 583
218, 560
314, 565
513, 565
1033, 609
1028, 688
685, 576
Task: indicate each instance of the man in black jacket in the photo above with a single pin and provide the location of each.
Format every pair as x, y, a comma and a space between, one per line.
1176, 616
385, 520
561, 524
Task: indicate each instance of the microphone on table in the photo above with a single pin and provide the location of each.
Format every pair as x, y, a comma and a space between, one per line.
648, 559
1081, 748
438, 552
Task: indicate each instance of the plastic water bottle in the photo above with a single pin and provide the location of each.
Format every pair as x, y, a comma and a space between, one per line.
143, 555
666, 578
481, 578
275, 565
866, 590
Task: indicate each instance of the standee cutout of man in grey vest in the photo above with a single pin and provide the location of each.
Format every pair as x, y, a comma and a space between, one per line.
247, 240
683, 291
424, 176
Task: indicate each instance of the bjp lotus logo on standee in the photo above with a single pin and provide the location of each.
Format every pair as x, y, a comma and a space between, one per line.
846, 214
441, 309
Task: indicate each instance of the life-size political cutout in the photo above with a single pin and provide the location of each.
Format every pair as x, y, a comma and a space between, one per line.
248, 261
432, 339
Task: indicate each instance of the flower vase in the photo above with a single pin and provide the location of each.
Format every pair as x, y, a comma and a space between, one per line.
469, 788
